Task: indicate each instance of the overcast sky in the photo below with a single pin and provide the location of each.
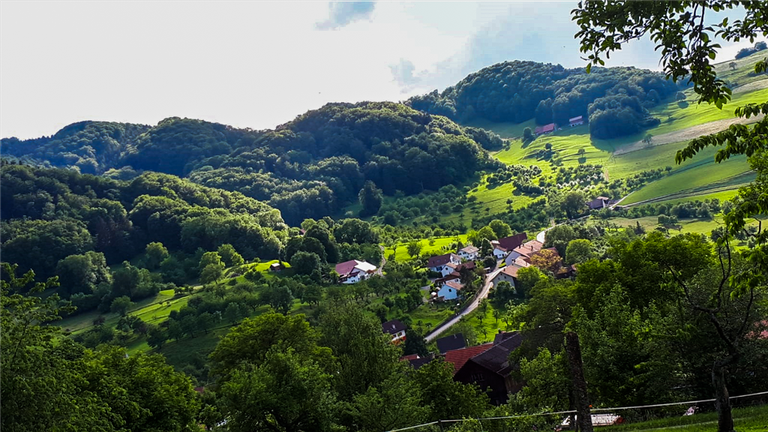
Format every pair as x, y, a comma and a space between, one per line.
258, 64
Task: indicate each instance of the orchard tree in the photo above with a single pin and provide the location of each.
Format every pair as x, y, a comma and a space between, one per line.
414, 248
501, 229
121, 305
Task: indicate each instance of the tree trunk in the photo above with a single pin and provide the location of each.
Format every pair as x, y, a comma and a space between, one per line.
722, 398
573, 348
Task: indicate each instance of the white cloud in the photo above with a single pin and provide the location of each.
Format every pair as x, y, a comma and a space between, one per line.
343, 13
254, 64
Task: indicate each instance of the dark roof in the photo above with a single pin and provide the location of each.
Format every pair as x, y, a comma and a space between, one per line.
598, 203
439, 260
469, 265
452, 342
460, 356
392, 327
512, 242
496, 359
421, 361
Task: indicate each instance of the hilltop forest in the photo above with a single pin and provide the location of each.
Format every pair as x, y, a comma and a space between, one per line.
615, 100
308, 168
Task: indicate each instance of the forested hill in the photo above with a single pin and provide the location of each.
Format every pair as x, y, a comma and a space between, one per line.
308, 168
50, 214
614, 99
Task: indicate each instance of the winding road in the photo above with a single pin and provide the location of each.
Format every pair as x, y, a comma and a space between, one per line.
472, 306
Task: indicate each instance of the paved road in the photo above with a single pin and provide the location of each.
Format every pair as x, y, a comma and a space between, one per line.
472, 306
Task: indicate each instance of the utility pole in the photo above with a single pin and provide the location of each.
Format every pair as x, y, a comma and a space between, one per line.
584, 415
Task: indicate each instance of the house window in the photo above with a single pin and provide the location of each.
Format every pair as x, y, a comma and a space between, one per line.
476, 377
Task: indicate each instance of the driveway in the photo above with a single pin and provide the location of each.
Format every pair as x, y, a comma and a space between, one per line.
472, 306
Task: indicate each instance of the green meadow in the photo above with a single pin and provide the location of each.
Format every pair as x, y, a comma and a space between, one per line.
428, 247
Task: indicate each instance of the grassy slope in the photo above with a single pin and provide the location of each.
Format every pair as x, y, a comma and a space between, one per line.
697, 178
440, 245
751, 419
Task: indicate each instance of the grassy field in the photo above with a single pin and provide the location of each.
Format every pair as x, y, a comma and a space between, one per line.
751, 419
731, 173
439, 244
650, 223
164, 301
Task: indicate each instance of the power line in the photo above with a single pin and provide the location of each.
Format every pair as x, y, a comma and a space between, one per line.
573, 411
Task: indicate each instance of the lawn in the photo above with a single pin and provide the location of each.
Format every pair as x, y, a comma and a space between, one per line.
750, 419
428, 247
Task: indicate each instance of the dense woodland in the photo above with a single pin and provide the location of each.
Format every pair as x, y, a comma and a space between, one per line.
614, 100
308, 168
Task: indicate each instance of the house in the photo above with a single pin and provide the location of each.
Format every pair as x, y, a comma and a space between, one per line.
438, 263
576, 121
469, 253
521, 255
450, 268
275, 267
504, 246
460, 357
450, 343
394, 328
491, 369
508, 274
354, 271
450, 290
598, 203
451, 277
547, 128
416, 361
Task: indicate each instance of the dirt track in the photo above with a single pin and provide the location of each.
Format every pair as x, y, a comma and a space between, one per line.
687, 134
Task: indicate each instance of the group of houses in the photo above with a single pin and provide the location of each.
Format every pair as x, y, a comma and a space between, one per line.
518, 253
551, 127
450, 267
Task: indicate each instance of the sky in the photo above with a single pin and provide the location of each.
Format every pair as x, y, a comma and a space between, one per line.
259, 64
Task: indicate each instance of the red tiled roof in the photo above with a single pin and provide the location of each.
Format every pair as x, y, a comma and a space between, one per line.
546, 128
529, 248
511, 270
460, 356
345, 267
409, 357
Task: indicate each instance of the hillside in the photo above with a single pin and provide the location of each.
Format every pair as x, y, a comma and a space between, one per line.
615, 100
49, 214
640, 164
307, 168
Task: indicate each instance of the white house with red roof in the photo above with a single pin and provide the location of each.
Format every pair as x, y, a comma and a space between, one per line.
354, 271
576, 121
